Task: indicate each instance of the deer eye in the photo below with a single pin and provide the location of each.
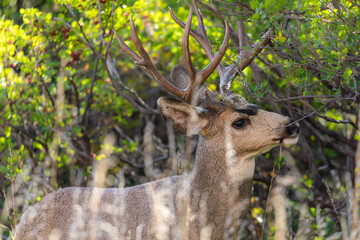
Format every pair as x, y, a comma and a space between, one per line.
239, 123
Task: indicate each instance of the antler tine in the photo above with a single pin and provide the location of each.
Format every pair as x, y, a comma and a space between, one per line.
219, 55
128, 50
197, 78
203, 74
205, 42
145, 62
185, 46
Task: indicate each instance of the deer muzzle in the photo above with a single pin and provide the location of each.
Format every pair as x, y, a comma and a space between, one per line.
292, 131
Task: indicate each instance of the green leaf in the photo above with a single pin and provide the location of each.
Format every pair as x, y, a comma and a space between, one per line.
37, 145
347, 73
7, 132
254, 4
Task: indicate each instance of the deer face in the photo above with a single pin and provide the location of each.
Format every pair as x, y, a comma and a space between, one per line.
253, 131
244, 128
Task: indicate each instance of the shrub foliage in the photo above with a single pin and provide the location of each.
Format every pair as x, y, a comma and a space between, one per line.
71, 99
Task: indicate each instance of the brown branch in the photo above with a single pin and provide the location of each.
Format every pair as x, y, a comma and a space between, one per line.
337, 121
67, 139
47, 92
85, 40
21, 129
120, 87
76, 95
90, 95
112, 30
327, 118
330, 133
100, 23
333, 145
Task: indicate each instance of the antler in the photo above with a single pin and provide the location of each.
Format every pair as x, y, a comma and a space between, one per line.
227, 74
197, 77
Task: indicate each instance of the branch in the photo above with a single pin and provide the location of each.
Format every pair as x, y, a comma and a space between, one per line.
330, 133
119, 86
100, 23
85, 40
327, 143
22, 129
76, 95
337, 121
47, 92
67, 139
90, 95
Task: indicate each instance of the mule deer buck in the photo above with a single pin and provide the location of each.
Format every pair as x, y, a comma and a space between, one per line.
207, 203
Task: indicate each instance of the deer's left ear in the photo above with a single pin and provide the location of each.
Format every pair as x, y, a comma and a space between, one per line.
186, 119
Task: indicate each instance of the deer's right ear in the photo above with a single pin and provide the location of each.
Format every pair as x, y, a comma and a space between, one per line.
184, 118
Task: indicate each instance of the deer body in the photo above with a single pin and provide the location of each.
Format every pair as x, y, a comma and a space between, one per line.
207, 203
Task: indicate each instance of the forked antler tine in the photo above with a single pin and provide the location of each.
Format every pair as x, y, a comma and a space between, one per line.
201, 37
145, 62
185, 47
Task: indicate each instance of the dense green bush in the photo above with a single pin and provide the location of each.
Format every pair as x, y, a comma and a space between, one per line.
70, 99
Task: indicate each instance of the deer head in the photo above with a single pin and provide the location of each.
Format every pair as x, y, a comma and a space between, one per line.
255, 131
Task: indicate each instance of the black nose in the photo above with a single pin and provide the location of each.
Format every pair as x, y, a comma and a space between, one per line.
293, 128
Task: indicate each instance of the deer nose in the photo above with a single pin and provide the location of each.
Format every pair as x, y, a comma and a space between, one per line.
293, 128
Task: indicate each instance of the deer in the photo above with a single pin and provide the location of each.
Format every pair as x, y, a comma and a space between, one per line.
211, 200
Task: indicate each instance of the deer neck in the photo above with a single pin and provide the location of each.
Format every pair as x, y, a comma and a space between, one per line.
222, 182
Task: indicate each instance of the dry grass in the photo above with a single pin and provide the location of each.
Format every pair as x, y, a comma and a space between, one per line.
283, 217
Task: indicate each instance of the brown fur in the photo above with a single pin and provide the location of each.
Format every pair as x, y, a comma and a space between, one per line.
208, 203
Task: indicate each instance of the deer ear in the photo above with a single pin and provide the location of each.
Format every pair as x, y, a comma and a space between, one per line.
186, 119
179, 77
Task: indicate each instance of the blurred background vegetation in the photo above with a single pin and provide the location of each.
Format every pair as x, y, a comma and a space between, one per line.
70, 99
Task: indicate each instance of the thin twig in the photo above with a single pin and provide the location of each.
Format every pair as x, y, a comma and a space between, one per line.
333, 204
81, 29
112, 30
100, 23
327, 118
89, 97
119, 86
81, 38
273, 175
47, 92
